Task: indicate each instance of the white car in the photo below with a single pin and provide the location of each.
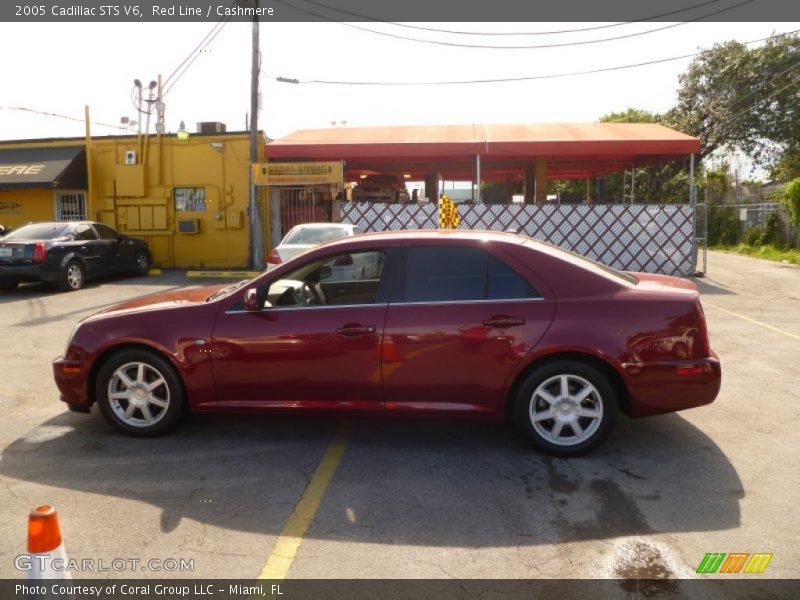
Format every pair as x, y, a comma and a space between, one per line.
302, 238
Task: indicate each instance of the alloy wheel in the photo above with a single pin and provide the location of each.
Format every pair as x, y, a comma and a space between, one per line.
138, 394
566, 410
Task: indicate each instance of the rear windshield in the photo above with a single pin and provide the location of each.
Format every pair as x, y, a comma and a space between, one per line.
40, 231
315, 235
588, 263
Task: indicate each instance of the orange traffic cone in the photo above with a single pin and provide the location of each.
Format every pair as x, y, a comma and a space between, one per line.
48, 559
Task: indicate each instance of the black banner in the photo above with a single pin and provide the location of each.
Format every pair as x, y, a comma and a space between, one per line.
531, 11
729, 588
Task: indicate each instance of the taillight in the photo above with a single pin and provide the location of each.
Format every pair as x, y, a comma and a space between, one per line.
702, 327
274, 258
39, 252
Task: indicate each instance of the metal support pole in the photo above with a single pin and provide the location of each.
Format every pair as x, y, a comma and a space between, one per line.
693, 203
478, 175
256, 228
705, 232
633, 184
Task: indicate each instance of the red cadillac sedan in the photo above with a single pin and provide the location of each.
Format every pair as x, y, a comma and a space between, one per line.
448, 323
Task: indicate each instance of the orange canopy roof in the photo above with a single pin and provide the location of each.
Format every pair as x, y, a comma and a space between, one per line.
581, 149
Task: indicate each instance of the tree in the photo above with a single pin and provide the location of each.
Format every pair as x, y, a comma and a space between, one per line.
743, 98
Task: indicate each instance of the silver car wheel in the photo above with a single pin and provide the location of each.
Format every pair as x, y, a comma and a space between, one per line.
74, 276
142, 263
138, 394
566, 410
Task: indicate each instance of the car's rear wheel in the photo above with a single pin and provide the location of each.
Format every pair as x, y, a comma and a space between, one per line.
142, 265
139, 393
8, 286
73, 277
566, 408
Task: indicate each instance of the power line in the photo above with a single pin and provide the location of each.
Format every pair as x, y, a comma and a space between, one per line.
188, 61
512, 79
532, 47
59, 116
514, 33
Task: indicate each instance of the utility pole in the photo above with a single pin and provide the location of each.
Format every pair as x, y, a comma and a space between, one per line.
256, 227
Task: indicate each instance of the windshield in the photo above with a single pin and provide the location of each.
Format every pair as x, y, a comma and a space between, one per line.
588, 262
314, 235
39, 231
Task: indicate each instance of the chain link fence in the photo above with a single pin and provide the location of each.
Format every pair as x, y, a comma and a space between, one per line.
751, 224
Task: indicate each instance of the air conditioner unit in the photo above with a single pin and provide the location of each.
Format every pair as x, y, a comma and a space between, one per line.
189, 225
210, 127
130, 157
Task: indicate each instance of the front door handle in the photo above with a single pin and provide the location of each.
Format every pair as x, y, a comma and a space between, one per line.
354, 329
501, 321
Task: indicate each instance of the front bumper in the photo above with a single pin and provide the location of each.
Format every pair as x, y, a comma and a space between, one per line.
668, 386
71, 377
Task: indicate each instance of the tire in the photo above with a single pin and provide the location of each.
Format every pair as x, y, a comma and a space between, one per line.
141, 265
540, 394
73, 277
132, 408
8, 286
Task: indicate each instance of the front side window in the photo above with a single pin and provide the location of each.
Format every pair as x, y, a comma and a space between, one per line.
335, 280
190, 199
461, 274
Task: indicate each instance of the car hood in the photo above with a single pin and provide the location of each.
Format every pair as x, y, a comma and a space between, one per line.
166, 300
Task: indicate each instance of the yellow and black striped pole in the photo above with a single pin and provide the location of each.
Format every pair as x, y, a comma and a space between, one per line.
448, 214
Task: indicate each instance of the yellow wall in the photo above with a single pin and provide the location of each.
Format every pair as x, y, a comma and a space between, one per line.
18, 207
139, 199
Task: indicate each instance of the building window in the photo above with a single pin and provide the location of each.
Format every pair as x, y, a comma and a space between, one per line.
190, 199
70, 206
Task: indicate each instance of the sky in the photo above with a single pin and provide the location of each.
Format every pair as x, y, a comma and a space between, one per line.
59, 68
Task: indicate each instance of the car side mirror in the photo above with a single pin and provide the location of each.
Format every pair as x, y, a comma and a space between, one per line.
251, 299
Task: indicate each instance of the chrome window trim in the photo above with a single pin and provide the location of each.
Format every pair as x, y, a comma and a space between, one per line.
386, 304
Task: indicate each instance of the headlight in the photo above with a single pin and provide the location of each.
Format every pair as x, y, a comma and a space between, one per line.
71, 335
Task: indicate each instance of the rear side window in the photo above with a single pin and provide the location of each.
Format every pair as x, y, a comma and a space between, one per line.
453, 274
84, 233
506, 284
106, 233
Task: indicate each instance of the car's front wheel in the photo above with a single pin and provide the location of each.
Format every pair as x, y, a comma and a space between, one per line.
142, 265
566, 408
139, 393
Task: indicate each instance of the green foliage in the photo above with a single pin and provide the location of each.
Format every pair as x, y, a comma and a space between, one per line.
791, 198
631, 115
745, 98
723, 226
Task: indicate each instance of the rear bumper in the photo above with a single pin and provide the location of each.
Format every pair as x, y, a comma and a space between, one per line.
28, 273
70, 376
662, 387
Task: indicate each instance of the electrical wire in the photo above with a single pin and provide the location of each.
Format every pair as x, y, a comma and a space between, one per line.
168, 88
532, 47
512, 79
59, 116
512, 33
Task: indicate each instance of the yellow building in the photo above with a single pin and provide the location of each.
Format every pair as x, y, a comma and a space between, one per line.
188, 198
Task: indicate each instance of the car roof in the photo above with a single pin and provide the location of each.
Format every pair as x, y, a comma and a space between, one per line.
441, 234
322, 225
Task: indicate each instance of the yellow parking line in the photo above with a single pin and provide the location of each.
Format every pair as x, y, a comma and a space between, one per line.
288, 544
760, 323
223, 274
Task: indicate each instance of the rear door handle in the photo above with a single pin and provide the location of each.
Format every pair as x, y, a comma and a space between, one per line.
501, 321
354, 329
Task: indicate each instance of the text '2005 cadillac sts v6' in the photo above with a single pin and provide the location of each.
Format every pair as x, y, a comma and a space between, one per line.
458, 323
